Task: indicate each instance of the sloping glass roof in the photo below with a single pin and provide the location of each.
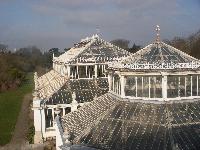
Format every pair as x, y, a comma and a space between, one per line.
160, 52
92, 49
158, 55
135, 125
85, 90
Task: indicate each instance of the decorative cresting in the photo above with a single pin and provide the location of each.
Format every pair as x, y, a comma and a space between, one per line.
158, 56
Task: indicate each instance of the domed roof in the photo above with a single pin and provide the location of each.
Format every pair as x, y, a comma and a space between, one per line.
159, 52
157, 56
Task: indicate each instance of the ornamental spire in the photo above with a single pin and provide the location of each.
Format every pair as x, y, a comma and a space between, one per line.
97, 30
157, 33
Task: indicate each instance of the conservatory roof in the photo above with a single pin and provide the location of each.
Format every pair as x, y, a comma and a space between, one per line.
158, 55
92, 50
110, 123
48, 84
84, 89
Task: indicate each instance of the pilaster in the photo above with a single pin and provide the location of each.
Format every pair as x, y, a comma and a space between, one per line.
39, 121
110, 81
122, 80
95, 71
164, 87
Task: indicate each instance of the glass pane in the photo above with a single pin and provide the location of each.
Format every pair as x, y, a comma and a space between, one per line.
188, 86
194, 85
198, 85
49, 118
145, 86
139, 86
156, 87
100, 71
130, 88
82, 71
172, 86
182, 86
117, 85
152, 87
90, 71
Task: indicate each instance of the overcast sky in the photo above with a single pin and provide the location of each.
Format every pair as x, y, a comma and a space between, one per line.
60, 23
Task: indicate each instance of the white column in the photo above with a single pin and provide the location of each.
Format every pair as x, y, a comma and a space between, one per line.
77, 72
135, 86
59, 132
74, 103
113, 82
122, 78
164, 87
39, 121
185, 86
142, 86
110, 81
179, 82
191, 84
95, 71
63, 111
117, 87
102, 68
68, 71
86, 71
53, 65
149, 82
197, 85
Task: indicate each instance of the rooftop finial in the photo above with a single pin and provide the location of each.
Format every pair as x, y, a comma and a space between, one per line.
158, 33
97, 30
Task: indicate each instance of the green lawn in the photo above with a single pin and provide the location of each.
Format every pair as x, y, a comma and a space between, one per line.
10, 104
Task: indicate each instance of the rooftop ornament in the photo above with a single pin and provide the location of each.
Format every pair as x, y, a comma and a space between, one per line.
158, 56
158, 33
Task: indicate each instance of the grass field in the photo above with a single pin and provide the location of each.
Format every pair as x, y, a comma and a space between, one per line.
10, 104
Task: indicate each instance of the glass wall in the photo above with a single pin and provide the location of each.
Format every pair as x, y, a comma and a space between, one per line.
194, 85
116, 84
101, 70
130, 87
182, 90
172, 86
182, 86
151, 86
82, 72
144, 86
188, 85
156, 87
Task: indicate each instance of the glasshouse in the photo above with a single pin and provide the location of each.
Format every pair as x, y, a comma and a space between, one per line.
153, 103
77, 77
157, 72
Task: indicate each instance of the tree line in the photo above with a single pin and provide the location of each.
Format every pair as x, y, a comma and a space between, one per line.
15, 65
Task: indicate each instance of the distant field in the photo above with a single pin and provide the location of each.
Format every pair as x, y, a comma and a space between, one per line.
10, 104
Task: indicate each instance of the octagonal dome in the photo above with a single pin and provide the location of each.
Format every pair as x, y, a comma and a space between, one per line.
158, 56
